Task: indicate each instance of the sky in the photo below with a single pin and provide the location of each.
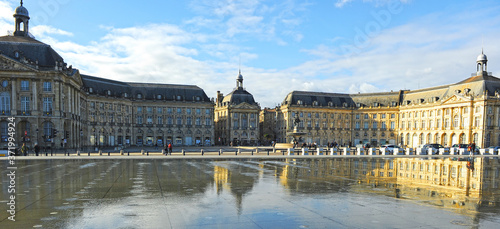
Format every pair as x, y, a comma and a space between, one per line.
339, 46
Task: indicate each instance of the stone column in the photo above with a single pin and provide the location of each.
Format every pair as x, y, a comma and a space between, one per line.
13, 104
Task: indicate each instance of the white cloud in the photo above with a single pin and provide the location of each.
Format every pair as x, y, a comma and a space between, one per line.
342, 3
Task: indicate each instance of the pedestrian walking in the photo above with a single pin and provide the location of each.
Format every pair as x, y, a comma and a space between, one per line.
37, 149
24, 150
170, 148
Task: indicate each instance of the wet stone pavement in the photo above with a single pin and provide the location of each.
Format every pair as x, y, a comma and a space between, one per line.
211, 193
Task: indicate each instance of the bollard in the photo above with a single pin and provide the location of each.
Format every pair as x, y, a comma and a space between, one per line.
236, 152
100, 152
128, 153
89, 153
78, 153
268, 152
220, 151
109, 153
184, 153
147, 153
202, 152
252, 152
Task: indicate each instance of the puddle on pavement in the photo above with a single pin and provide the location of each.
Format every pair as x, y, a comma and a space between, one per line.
299, 193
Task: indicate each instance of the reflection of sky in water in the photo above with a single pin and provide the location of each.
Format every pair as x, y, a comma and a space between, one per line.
222, 193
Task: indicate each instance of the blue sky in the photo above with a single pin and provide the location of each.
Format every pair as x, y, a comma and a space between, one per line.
343, 46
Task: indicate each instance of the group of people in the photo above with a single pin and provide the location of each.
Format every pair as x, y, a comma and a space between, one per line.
168, 149
24, 150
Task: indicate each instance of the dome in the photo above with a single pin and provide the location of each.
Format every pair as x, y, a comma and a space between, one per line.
21, 11
482, 57
238, 96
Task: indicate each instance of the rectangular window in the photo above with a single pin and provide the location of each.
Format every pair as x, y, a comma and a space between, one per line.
208, 122
150, 120
179, 121
47, 86
160, 120
25, 85
179, 110
150, 110
189, 122
139, 110
198, 111
25, 104
169, 110
384, 126
198, 121
47, 106
159, 110
139, 120
374, 125
207, 111
188, 111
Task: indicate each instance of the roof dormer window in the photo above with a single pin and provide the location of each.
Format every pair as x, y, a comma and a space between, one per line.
125, 95
108, 93
179, 97
91, 90
158, 97
16, 54
139, 96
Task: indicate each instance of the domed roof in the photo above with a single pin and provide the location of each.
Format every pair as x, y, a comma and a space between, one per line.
21, 11
238, 96
482, 57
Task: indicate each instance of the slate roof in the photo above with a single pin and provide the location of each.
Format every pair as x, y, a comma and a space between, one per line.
168, 92
239, 95
478, 85
31, 49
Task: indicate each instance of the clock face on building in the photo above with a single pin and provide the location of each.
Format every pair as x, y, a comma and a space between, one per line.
5, 83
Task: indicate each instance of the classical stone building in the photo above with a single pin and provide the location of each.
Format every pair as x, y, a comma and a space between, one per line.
236, 117
54, 105
267, 124
121, 113
464, 112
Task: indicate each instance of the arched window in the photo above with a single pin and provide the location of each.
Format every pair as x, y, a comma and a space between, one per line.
5, 103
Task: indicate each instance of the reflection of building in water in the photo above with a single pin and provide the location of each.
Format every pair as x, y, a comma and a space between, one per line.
342, 170
451, 180
231, 176
442, 182
221, 178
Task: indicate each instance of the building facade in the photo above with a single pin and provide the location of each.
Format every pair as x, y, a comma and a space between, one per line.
56, 106
464, 112
267, 124
236, 117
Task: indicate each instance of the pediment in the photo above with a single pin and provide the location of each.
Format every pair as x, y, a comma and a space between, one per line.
7, 64
455, 99
245, 105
